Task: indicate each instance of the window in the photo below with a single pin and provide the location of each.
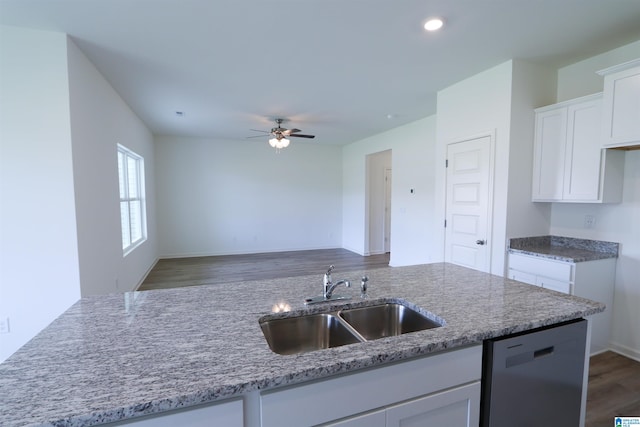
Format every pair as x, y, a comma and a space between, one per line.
132, 213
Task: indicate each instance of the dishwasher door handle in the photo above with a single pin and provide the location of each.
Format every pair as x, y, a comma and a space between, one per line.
528, 356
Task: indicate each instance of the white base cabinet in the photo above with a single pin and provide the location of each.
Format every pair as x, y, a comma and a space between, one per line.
228, 413
590, 279
457, 407
423, 391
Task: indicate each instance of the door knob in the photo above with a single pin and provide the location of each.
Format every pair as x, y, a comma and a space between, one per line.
480, 242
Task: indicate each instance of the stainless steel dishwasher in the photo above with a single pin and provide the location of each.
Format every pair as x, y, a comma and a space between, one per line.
534, 379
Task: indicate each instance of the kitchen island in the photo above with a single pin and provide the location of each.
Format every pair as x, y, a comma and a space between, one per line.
118, 357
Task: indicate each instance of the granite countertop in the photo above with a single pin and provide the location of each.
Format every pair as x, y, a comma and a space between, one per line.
566, 249
115, 357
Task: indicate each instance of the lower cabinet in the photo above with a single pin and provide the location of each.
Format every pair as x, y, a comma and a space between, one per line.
456, 407
590, 279
443, 389
226, 413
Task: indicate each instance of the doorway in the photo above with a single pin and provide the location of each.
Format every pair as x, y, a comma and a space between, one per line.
378, 203
469, 201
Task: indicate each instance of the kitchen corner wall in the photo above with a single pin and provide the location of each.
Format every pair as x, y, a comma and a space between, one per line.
619, 222
39, 276
223, 197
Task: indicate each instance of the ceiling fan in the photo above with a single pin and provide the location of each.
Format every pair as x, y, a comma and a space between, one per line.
281, 135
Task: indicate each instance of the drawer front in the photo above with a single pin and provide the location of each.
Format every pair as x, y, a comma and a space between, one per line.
554, 285
541, 267
521, 276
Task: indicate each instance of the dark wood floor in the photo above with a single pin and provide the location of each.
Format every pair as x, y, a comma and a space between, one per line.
614, 389
179, 272
614, 380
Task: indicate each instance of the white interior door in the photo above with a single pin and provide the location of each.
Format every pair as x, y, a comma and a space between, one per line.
387, 210
468, 206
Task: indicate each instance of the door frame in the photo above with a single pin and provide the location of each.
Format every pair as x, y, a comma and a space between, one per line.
492, 138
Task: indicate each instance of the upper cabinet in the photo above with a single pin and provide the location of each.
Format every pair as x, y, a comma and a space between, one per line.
569, 164
621, 105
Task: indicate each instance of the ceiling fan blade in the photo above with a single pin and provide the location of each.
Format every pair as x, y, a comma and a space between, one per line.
256, 136
294, 130
298, 135
258, 130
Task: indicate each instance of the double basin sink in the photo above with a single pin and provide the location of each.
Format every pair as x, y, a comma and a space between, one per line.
309, 332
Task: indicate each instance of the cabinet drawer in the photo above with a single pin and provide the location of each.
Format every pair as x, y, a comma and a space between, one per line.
541, 267
521, 276
554, 285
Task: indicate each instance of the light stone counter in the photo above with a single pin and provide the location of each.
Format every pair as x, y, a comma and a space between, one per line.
567, 249
115, 357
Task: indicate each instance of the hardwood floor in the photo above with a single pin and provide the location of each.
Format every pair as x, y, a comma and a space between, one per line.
614, 380
614, 389
179, 272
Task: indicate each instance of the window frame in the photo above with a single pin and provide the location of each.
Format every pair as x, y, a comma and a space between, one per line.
124, 155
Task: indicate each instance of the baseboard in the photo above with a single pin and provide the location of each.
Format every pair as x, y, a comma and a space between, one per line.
623, 350
144, 276
248, 252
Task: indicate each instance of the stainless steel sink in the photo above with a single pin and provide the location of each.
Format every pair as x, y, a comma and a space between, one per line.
386, 320
300, 334
292, 335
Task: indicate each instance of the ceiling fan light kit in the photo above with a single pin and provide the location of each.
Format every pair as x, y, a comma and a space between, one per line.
279, 143
280, 135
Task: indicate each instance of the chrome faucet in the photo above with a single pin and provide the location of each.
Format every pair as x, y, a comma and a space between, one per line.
328, 286
327, 289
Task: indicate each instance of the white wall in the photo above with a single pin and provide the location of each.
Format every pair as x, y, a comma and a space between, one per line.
240, 196
581, 79
479, 105
100, 120
39, 277
412, 215
533, 86
614, 222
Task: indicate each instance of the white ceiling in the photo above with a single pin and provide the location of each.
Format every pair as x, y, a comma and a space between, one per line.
335, 68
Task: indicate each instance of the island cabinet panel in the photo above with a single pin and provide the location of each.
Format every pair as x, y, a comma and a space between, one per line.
225, 413
370, 419
621, 109
590, 279
456, 407
569, 164
337, 399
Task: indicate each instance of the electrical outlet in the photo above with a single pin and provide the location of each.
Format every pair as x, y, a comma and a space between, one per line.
589, 221
4, 325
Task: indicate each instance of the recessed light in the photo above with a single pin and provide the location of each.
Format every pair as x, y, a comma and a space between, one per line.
433, 24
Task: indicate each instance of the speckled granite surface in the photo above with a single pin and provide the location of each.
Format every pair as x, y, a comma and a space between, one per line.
115, 357
564, 248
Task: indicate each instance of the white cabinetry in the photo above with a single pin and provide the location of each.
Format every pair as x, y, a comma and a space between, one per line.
590, 279
569, 164
225, 413
621, 107
444, 386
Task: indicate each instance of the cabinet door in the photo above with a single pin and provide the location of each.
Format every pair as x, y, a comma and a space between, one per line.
228, 414
549, 154
373, 419
583, 152
621, 118
459, 407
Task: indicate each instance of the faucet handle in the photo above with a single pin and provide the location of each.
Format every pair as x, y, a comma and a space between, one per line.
331, 267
